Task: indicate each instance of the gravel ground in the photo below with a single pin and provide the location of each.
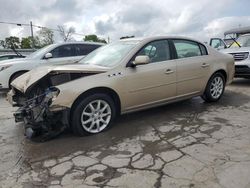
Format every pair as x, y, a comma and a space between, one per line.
186, 144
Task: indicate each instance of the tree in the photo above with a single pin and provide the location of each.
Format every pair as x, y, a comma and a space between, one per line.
26, 42
66, 34
94, 38
45, 37
2, 43
11, 42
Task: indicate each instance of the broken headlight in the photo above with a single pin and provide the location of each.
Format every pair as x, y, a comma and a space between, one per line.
52, 93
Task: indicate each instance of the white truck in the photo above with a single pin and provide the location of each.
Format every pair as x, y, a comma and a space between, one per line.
54, 54
237, 44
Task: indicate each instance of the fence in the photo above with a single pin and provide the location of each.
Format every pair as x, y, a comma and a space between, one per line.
22, 51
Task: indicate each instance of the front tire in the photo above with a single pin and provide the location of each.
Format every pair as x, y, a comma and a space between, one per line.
92, 115
215, 88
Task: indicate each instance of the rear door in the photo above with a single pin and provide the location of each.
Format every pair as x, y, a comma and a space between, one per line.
154, 82
192, 66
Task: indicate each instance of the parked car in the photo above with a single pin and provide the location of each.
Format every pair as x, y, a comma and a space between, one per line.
10, 56
121, 77
54, 54
240, 50
229, 37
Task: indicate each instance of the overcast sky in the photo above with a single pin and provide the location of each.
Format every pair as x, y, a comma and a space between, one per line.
201, 19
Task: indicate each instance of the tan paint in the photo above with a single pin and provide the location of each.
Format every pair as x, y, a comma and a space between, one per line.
143, 86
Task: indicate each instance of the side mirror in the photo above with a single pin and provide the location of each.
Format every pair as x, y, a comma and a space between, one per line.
141, 60
48, 55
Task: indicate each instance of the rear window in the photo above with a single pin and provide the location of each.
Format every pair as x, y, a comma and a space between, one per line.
85, 49
186, 48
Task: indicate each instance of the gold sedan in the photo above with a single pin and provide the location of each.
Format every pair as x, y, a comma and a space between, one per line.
121, 77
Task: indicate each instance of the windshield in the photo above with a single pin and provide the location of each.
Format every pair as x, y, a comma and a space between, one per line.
243, 41
109, 55
40, 52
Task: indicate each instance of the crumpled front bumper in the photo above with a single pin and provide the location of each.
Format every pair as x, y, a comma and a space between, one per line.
38, 114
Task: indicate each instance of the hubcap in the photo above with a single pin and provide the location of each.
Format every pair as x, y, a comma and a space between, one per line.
96, 116
216, 88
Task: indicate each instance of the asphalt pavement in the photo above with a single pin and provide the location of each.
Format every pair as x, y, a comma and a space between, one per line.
186, 144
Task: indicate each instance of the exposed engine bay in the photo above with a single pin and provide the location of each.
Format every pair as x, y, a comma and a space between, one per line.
39, 88
34, 106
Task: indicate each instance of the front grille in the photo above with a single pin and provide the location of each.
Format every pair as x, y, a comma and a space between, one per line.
240, 56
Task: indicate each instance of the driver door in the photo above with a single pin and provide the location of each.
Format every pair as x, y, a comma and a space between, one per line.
152, 83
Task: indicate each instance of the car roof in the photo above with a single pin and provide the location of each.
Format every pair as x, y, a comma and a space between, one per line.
79, 42
150, 38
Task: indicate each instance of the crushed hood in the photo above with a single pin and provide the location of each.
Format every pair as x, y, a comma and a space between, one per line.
26, 80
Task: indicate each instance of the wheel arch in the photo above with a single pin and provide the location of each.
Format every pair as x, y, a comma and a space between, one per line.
103, 90
222, 71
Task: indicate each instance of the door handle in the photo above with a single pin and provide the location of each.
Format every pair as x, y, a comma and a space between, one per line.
204, 65
169, 71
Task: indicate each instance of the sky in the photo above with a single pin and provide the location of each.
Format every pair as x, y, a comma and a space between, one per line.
200, 19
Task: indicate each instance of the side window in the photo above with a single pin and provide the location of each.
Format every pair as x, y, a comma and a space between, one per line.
85, 49
157, 51
186, 48
63, 51
217, 43
203, 50
3, 58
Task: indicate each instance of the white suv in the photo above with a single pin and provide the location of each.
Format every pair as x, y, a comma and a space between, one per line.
240, 50
54, 54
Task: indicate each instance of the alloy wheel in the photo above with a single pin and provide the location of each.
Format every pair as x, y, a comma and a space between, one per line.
96, 116
216, 88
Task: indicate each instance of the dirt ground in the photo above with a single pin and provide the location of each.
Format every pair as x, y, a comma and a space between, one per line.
185, 144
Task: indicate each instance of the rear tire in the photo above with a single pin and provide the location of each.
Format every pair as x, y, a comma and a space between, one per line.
215, 88
92, 115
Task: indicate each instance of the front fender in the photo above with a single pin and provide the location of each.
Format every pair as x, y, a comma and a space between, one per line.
70, 91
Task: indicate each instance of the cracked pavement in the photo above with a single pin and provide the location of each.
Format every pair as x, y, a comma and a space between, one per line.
185, 144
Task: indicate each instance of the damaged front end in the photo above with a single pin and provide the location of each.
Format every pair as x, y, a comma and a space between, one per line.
39, 118
34, 93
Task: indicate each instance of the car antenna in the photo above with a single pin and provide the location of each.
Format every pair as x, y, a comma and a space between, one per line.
235, 42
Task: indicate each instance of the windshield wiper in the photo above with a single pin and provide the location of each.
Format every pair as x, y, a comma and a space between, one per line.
235, 42
15, 51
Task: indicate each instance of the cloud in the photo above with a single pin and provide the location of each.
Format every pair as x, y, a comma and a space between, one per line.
116, 18
218, 26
